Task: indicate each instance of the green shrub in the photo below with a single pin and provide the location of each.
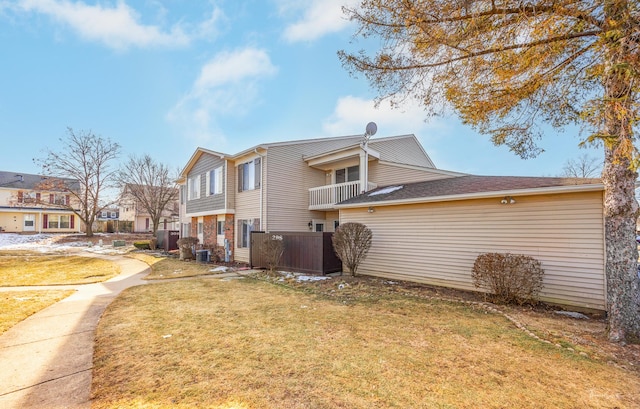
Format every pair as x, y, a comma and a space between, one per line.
142, 245
508, 278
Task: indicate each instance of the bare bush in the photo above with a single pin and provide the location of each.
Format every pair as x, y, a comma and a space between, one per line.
186, 246
351, 242
508, 278
272, 249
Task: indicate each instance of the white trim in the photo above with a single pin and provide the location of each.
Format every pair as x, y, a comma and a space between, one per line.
479, 195
210, 213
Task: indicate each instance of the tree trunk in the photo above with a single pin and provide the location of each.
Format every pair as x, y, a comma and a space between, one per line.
620, 205
623, 284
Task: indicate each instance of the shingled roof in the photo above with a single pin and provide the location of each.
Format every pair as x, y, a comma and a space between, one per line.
26, 181
468, 187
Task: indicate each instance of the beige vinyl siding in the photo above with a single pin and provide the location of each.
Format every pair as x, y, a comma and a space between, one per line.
401, 149
247, 206
384, 174
289, 179
437, 243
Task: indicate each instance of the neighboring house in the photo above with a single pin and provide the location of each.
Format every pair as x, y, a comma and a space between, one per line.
432, 231
108, 220
26, 206
290, 186
134, 218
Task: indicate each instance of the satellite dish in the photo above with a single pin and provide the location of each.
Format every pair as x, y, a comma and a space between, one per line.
371, 129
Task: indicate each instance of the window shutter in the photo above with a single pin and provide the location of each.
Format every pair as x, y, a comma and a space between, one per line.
258, 173
239, 234
20, 196
67, 200
45, 221
72, 221
208, 184
240, 173
51, 198
37, 197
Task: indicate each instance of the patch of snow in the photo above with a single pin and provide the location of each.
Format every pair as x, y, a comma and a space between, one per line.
573, 314
389, 189
222, 269
312, 278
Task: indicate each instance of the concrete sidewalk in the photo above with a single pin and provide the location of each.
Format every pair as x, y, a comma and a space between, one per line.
46, 360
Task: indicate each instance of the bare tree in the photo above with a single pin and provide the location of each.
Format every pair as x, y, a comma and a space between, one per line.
351, 242
510, 67
584, 166
81, 169
149, 185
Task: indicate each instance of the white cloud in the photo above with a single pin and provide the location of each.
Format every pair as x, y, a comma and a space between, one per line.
352, 114
117, 27
228, 85
319, 17
234, 67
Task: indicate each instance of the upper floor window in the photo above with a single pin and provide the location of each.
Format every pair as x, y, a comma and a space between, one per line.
27, 197
214, 181
113, 215
350, 174
58, 199
103, 214
194, 187
249, 175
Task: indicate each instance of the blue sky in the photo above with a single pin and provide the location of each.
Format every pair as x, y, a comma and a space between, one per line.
162, 77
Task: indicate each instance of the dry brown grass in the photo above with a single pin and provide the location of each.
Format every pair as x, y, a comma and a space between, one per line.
15, 306
252, 344
169, 267
28, 269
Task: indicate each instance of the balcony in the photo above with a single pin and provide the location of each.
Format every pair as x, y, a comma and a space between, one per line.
324, 197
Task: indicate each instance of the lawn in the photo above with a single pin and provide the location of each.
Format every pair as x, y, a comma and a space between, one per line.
15, 306
170, 267
24, 268
254, 344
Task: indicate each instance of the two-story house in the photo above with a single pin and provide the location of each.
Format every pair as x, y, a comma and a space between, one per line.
290, 186
133, 217
30, 203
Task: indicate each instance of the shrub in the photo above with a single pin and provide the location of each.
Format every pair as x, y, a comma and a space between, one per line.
142, 245
351, 242
272, 249
186, 245
508, 278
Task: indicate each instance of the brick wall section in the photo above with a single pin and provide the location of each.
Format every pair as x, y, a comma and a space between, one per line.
209, 234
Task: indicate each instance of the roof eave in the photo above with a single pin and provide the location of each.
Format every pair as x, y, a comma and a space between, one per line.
478, 195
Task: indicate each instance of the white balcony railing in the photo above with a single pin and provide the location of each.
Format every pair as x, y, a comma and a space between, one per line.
324, 197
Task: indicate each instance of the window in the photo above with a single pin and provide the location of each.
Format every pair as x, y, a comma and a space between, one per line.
194, 187
200, 226
214, 181
28, 197
349, 174
103, 214
58, 199
245, 227
220, 229
249, 175
64, 222
113, 215
52, 222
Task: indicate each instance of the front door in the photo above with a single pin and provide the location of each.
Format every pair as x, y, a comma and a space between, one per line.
29, 222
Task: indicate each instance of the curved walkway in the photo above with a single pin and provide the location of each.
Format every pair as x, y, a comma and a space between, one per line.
47, 359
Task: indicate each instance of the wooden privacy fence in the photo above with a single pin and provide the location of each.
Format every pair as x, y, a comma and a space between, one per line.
304, 252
